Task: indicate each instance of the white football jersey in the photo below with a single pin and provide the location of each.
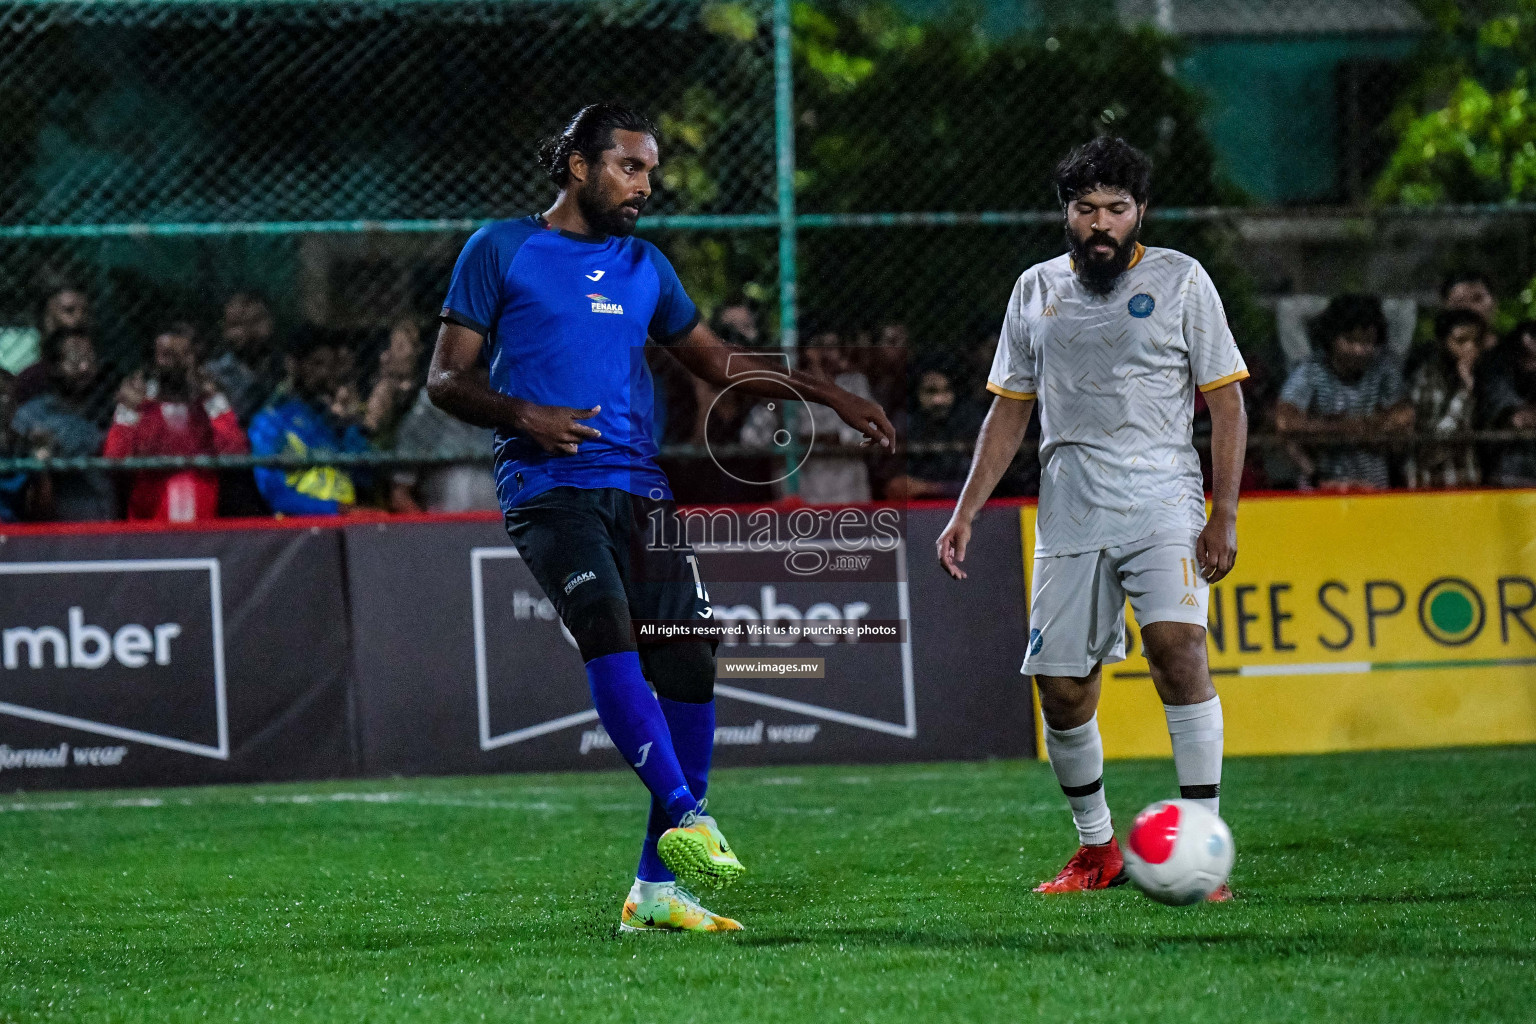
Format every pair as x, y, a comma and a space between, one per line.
1115, 378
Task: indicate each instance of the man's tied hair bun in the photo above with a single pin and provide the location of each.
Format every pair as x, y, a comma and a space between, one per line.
589, 132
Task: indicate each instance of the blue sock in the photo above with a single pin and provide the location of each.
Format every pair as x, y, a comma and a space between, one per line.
693, 737
634, 722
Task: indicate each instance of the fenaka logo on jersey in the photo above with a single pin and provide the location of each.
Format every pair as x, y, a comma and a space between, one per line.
1049, 311
601, 304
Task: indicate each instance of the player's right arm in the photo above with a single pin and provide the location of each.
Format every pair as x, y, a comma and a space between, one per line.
1012, 381
458, 384
1001, 434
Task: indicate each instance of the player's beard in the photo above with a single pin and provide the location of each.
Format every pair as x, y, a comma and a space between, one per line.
1099, 276
603, 216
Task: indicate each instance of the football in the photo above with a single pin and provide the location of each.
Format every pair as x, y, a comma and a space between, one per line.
1178, 852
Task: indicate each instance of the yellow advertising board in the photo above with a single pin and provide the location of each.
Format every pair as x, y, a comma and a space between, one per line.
1358, 623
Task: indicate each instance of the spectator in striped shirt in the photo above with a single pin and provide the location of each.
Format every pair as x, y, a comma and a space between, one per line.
1344, 399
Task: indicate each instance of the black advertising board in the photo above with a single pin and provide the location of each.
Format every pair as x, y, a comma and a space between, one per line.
463, 665
168, 658
425, 647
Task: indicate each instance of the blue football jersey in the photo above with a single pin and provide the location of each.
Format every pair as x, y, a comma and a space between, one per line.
565, 319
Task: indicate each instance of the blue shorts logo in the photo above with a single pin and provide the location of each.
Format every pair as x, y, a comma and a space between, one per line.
1141, 305
1035, 642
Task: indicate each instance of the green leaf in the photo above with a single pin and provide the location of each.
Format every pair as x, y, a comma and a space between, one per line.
732, 20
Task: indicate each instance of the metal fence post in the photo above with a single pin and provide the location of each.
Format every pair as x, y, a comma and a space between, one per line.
784, 147
784, 152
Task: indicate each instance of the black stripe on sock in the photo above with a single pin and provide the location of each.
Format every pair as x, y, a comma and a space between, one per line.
1200, 792
1088, 790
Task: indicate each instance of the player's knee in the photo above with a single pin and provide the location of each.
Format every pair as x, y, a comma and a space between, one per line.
1176, 655
601, 627
1066, 703
1178, 673
682, 672
1173, 645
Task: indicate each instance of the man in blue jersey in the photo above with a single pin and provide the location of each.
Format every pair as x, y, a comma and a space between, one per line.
558, 307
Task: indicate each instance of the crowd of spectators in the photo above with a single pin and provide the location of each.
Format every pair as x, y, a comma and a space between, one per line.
308, 393
1356, 413
1357, 416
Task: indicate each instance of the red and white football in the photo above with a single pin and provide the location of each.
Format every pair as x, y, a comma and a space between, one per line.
1178, 852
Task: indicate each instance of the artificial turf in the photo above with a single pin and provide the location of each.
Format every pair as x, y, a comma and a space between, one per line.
1391, 887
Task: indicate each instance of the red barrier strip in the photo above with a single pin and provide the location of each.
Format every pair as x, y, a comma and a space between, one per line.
382, 518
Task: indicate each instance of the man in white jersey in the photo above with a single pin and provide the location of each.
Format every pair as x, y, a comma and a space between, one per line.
1111, 339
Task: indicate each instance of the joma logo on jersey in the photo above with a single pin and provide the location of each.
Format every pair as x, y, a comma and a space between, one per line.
600, 304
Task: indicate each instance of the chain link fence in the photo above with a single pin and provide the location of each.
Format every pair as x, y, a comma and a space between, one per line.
330, 158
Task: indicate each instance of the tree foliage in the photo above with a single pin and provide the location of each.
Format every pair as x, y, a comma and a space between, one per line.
1467, 129
897, 116
902, 116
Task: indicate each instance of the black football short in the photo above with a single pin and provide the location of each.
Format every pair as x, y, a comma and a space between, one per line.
599, 554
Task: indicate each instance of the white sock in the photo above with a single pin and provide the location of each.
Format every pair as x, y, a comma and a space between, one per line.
650, 890
1077, 757
1196, 732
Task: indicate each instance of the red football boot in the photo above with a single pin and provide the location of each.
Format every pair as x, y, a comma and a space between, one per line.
1222, 895
1091, 867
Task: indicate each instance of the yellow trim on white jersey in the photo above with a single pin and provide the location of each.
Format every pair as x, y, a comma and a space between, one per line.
1224, 381
1023, 396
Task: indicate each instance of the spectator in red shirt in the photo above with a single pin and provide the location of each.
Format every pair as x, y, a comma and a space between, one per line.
174, 411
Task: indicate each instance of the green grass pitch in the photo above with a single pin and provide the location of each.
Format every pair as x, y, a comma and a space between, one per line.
1384, 887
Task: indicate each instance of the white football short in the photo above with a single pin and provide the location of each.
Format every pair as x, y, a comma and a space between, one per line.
1077, 602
